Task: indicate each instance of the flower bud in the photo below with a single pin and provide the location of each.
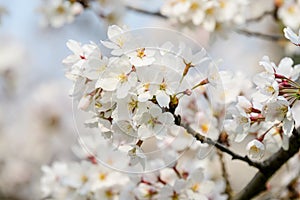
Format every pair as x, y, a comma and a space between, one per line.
256, 149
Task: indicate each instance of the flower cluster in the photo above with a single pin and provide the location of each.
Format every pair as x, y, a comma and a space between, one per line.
269, 113
135, 95
288, 13
91, 180
57, 13
210, 14
140, 97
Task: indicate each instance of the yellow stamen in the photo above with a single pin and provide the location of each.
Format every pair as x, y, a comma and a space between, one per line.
123, 78
205, 128
60, 9
102, 176
84, 179
141, 53
194, 6
195, 187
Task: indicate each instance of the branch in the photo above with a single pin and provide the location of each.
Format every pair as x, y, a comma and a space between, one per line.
240, 31
228, 188
260, 35
221, 147
257, 19
269, 167
157, 14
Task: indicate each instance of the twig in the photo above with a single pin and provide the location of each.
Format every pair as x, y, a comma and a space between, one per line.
228, 189
158, 14
269, 167
221, 147
260, 35
257, 19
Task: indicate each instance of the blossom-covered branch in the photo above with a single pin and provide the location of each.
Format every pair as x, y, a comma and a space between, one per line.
221, 147
269, 167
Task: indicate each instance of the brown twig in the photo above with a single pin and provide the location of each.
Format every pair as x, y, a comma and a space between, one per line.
157, 14
260, 35
228, 189
221, 147
269, 167
257, 19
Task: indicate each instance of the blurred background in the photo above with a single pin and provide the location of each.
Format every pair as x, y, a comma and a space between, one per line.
36, 121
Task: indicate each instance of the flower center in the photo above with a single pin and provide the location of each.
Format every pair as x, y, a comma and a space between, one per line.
291, 9
141, 53
123, 78
194, 6
84, 178
102, 176
254, 149
204, 128
60, 9
195, 187
210, 11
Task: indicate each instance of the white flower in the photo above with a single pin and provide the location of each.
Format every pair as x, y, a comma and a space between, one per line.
205, 13
118, 76
124, 132
167, 88
137, 156
268, 89
276, 111
95, 68
239, 125
256, 149
289, 14
118, 38
291, 35
78, 62
53, 178
141, 57
279, 111
155, 123
176, 191
287, 69
59, 12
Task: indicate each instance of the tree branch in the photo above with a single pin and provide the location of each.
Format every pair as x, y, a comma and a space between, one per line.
269, 167
139, 10
257, 19
260, 35
221, 147
240, 31
228, 188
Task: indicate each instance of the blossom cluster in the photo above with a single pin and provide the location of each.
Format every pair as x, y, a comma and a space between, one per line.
135, 95
288, 13
210, 14
268, 114
141, 95
57, 13
89, 179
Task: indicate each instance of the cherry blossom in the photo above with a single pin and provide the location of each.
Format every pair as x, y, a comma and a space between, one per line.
255, 149
59, 12
292, 36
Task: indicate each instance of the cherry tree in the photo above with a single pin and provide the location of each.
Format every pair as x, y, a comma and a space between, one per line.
156, 117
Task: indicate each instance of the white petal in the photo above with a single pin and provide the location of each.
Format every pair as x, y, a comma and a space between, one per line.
162, 98
108, 84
